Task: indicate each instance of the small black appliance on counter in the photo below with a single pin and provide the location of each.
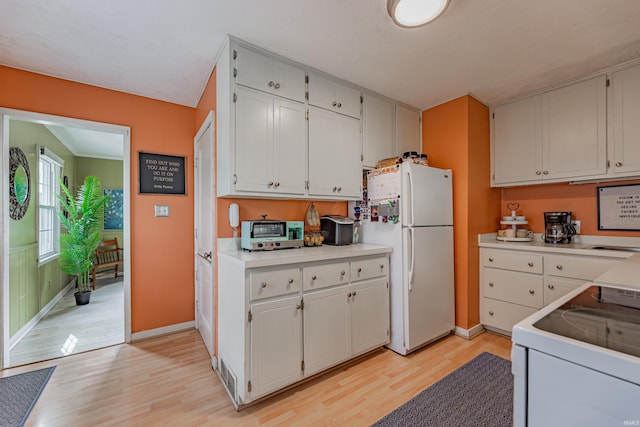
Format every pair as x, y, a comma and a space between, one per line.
558, 227
337, 230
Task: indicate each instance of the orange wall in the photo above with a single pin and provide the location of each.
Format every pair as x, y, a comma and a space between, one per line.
455, 135
581, 200
162, 291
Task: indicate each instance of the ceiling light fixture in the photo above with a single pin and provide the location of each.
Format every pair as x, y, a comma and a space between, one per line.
415, 13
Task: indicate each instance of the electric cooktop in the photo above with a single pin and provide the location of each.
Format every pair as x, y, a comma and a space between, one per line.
603, 316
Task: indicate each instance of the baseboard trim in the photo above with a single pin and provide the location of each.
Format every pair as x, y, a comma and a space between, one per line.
136, 336
469, 333
15, 339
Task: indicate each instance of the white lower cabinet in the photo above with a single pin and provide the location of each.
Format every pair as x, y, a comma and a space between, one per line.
276, 345
515, 284
279, 325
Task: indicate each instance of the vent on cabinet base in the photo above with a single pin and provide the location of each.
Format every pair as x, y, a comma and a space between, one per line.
229, 379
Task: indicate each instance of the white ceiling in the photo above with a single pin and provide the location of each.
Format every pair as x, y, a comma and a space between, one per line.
165, 49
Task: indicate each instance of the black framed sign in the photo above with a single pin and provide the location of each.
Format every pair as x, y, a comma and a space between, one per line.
619, 207
161, 174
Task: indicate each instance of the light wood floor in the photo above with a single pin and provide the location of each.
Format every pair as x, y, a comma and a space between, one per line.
168, 381
69, 328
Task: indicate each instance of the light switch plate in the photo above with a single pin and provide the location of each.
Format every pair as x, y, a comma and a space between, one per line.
162, 210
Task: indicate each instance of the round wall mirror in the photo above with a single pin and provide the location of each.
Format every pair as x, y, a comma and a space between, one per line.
19, 183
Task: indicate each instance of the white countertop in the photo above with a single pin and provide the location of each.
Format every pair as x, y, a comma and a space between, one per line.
292, 256
625, 274
581, 245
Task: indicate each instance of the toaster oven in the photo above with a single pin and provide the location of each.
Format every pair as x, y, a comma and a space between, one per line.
264, 235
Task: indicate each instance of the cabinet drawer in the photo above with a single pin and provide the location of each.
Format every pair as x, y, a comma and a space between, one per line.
323, 276
266, 284
503, 315
510, 286
555, 287
587, 268
369, 268
529, 263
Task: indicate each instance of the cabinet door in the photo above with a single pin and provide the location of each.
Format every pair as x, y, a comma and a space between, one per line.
378, 130
276, 345
254, 141
333, 96
516, 144
290, 147
574, 137
327, 334
555, 287
266, 74
623, 336
625, 124
335, 164
408, 130
369, 315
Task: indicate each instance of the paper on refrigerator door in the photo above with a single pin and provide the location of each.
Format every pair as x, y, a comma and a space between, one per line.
384, 184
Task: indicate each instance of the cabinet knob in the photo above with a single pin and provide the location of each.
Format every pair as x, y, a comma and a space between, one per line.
545, 172
314, 277
271, 83
269, 184
298, 307
559, 267
550, 286
530, 264
334, 104
277, 85
490, 259
354, 294
538, 173
349, 295
290, 281
276, 184
491, 284
335, 189
339, 105
339, 189
264, 285
618, 332
618, 164
531, 291
381, 266
342, 273
360, 270
491, 313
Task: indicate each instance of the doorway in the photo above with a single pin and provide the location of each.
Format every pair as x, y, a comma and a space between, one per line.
22, 310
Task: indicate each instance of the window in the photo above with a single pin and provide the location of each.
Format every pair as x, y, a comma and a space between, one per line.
49, 170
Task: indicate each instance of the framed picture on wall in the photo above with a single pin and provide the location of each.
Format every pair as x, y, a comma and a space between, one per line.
113, 210
161, 174
619, 207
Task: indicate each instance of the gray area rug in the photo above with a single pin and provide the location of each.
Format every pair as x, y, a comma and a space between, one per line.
18, 395
479, 393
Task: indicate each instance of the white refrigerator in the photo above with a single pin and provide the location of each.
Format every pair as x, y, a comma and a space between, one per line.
410, 208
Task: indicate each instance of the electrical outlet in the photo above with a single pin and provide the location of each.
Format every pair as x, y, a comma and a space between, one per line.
162, 210
576, 225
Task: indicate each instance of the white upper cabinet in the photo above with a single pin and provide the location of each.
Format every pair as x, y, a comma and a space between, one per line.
557, 136
408, 130
269, 75
574, 139
378, 130
333, 96
335, 166
271, 142
624, 131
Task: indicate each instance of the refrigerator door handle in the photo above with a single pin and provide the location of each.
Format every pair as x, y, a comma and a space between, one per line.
413, 259
409, 196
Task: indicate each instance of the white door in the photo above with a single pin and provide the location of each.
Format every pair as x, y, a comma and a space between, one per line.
429, 285
427, 196
204, 220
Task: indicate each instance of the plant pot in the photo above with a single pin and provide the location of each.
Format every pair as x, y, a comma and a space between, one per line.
82, 298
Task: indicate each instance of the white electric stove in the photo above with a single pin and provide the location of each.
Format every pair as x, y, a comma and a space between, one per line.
577, 360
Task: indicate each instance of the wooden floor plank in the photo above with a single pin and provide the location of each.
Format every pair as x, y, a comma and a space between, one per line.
167, 381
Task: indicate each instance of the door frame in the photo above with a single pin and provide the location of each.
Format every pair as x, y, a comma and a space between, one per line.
6, 115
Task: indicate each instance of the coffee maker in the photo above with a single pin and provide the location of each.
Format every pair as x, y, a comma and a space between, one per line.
558, 227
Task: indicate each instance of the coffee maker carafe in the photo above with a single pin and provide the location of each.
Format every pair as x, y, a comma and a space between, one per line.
558, 227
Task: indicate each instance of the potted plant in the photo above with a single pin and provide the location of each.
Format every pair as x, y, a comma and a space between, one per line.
82, 217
